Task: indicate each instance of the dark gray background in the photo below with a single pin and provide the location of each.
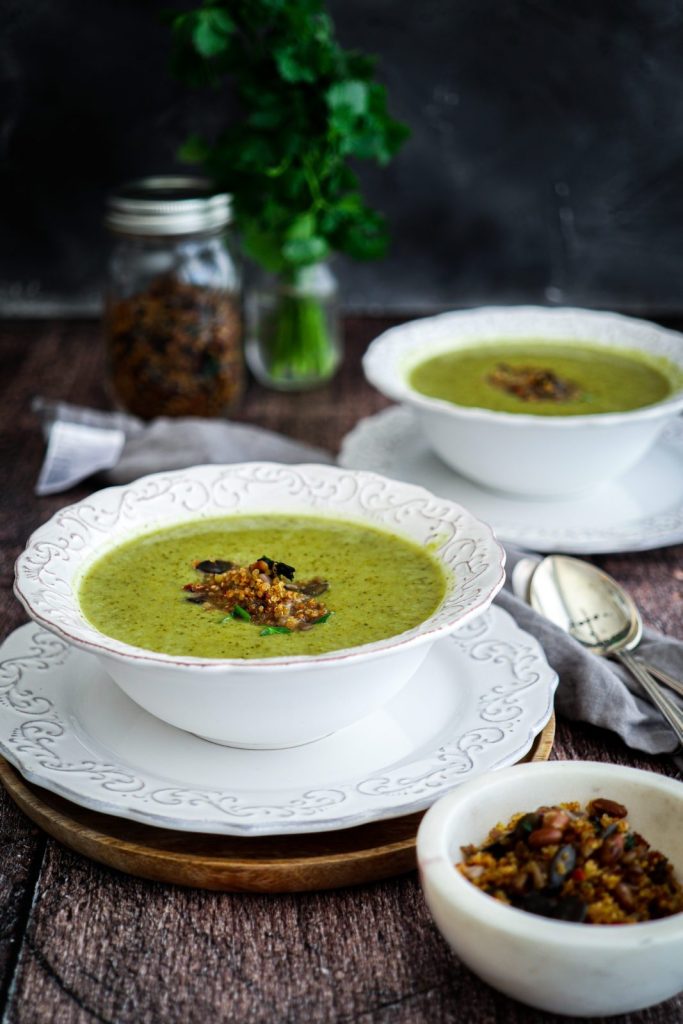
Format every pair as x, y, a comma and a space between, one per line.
545, 164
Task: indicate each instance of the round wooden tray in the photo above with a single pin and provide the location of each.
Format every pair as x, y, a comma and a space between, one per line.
322, 860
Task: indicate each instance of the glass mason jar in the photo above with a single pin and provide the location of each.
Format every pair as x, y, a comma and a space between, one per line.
173, 310
293, 330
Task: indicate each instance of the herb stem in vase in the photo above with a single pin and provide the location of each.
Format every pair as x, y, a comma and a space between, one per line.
294, 336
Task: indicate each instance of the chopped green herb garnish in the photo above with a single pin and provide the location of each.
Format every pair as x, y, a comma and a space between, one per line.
226, 618
630, 841
239, 612
323, 618
274, 629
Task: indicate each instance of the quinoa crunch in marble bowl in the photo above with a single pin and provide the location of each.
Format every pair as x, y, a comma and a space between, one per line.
575, 864
558, 965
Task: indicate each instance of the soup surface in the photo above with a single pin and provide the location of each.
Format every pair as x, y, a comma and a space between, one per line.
547, 378
379, 585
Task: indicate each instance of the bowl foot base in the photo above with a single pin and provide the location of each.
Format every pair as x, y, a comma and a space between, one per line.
259, 746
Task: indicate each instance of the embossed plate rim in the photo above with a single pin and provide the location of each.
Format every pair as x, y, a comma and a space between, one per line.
28, 676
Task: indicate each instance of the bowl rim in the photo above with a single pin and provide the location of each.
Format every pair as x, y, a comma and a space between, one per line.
436, 867
380, 369
123, 652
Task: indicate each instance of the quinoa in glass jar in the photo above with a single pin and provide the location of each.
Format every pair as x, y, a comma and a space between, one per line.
173, 311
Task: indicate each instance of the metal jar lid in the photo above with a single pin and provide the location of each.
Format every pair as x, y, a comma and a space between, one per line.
169, 205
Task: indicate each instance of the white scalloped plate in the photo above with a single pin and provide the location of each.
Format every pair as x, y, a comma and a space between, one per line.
640, 511
476, 704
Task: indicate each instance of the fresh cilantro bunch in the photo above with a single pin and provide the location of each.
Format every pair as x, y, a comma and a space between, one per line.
308, 107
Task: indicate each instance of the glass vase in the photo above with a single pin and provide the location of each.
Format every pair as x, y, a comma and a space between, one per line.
294, 336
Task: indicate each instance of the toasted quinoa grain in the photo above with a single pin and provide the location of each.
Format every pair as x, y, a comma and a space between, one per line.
265, 596
175, 349
575, 864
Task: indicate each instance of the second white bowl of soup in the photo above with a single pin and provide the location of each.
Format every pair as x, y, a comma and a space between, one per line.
533, 401
260, 605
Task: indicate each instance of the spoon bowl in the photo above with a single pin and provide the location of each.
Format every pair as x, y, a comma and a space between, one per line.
587, 603
593, 609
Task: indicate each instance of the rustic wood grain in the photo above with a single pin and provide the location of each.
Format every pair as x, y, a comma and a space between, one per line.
82, 943
21, 851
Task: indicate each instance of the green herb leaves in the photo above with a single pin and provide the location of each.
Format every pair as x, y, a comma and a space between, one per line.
309, 106
283, 629
212, 30
237, 613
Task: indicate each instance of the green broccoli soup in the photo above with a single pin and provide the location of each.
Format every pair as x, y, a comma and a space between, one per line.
547, 378
261, 586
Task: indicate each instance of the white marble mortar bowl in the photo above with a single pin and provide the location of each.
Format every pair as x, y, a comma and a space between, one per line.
563, 967
519, 453
270, 702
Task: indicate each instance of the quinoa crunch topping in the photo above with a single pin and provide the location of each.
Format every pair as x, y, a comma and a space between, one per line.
533, 383
575, 865
263, 593
175, 350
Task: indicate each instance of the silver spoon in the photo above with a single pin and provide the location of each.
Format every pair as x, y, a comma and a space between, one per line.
521, 585
592, 607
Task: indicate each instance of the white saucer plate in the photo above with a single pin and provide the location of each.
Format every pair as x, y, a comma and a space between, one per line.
475, 705
640, 511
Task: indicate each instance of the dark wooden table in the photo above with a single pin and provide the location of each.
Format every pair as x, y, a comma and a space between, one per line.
80, 943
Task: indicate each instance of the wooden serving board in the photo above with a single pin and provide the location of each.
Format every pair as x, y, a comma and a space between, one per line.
321, 860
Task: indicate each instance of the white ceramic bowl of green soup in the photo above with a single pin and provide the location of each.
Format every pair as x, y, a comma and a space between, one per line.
143, 577
534, 401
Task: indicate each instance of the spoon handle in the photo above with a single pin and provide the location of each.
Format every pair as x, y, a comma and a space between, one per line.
664, 677
667, 708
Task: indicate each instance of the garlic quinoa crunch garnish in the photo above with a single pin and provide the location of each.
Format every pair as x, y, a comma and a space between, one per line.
575, 865
263, 593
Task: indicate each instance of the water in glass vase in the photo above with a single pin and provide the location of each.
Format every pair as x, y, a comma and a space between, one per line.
294, 336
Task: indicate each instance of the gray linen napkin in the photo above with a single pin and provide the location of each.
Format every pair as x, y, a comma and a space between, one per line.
84, 441
81, 442
175, 444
